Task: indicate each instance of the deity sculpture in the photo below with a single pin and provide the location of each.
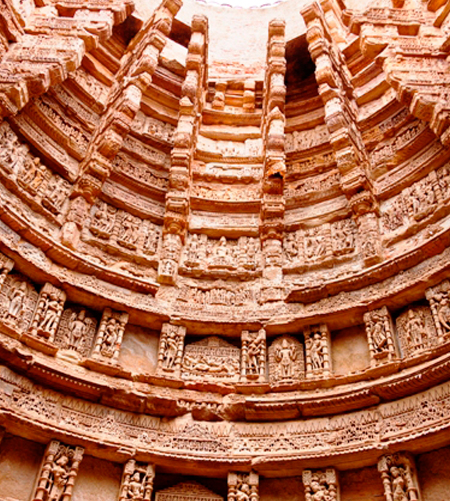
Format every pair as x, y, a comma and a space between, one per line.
137, 481
17, 296
243, 486
171, 349
317, 344
253, 360
399, 477
379, 330
321, 485
48, 312
109, 336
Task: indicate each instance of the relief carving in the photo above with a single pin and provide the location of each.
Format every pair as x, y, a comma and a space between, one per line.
211, 359
286, 361
18, 302
171, 346
439, 298
58, 472
321, 485
380, 336
48, 312
399, 477
109, 336
76, 332
317, 347
416, 330
243, 486
253, 356
137, 481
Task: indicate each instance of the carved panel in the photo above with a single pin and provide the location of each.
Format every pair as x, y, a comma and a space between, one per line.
211, 359
18, 299
321, 485
243, 486
204, 256
317, 346
399, 477
416, 330
58, 472
286, 361
137, 481
110, 335
118, 231
321, 245
439, 298
380, 336
253, 356
170, 354
187, 491
76, 332
6, 265
48, 312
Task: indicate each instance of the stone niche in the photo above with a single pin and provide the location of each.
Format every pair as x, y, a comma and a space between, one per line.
349, 350
97, 479
19, 464
139, 350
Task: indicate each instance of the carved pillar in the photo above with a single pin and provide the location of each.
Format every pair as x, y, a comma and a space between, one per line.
439, 299
399, 477
380, 336
321, 484
177, 198
243, 486
341, 114
137, 481
48, 312
273, 203
134, 77
171, 346
318, 351
253, 356
6, 265
109, 336
58, 472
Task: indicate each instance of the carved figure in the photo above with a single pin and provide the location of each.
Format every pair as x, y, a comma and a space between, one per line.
48, 312
103, 220
416, 330
110, 335
380, 337
58, 472
171, 349
243, 486
321, 485
399, 477
77, 329
17, 296
253, 355
137, 481
317, 344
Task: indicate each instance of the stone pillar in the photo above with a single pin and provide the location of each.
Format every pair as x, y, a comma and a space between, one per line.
399, 477
243, 484
318, 351
137, 481
321, 484
177, 198
171, 347
58, 472
273, 202
380, 336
